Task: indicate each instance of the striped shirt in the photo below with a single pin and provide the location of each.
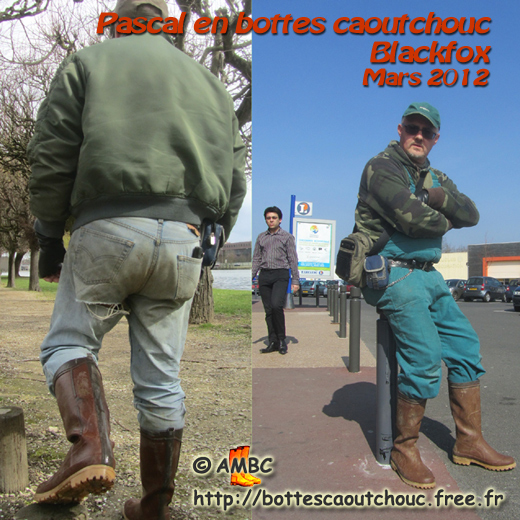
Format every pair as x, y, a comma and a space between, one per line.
276, 251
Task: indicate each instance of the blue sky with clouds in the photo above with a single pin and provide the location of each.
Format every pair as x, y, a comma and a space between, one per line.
315, 125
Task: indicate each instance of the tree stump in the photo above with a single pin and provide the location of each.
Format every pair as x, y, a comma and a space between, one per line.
14, 475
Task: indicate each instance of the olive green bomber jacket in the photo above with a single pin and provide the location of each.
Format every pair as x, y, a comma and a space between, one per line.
135, 127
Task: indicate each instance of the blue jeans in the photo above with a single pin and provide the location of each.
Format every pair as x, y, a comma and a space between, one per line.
142, 269
428, 327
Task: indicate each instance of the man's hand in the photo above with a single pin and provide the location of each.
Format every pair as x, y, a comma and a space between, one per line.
423, 196
55, 278
434, 197
52, 253
295, 287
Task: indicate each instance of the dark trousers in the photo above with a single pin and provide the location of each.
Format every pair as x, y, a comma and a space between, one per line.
273, 284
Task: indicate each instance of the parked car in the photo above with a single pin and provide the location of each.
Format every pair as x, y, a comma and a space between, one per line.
308, 287
337, 283
484, 288
510, 288
456, 287
516, 299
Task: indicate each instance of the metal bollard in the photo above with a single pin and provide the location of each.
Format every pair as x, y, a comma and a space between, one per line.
343, 311
317, 291
355, 329
330, 298
300, 296
335, 315
386, 390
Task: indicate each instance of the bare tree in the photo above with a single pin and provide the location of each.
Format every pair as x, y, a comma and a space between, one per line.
448, 248
22, 9
228, 56
17, 102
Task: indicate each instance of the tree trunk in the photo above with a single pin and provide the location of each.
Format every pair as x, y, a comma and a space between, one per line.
17, 263
34, 281
202, 307
10, 270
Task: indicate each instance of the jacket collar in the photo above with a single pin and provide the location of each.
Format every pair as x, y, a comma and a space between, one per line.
394, 150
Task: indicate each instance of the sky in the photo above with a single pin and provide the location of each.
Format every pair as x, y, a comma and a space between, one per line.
315, 125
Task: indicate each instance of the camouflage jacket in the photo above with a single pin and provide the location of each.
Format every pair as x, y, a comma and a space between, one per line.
385, 199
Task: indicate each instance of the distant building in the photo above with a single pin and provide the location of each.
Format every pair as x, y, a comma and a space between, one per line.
235, 253
453, 266
500, 261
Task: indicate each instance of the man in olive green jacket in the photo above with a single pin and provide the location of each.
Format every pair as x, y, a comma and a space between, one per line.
139, 144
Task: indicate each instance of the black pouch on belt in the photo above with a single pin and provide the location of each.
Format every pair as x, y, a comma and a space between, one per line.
377, 272
212, 238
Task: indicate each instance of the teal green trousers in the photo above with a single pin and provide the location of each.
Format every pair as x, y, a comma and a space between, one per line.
429, 328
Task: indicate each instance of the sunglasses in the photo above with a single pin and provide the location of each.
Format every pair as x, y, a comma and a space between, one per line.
427, 133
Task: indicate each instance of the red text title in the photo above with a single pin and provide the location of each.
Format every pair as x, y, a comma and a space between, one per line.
382, 51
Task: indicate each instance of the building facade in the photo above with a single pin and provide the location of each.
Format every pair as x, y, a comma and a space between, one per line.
235, 253
500, 261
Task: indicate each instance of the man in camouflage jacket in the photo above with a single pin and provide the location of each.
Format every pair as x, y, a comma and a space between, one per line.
416, 205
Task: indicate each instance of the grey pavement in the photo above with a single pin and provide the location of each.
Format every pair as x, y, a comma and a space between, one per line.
317, 420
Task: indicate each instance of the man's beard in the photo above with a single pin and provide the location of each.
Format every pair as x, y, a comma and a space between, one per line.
418, 158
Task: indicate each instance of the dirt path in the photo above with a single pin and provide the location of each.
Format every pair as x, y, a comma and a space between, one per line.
216, 377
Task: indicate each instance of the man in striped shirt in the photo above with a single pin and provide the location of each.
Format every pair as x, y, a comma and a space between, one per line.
274, 255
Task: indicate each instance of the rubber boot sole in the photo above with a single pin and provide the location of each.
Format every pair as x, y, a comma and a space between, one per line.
95, 479
418, 485
465, 461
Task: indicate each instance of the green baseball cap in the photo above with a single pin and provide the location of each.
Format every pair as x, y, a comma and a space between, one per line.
425, 110
128, 8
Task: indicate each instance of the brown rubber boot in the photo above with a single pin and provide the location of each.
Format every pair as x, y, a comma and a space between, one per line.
470, 446
89, 464
159, 456
405, 458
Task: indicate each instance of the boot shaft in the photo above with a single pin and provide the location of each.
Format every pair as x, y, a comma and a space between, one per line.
409, 415
89, 464
78, 387
470, 446
405, 458
465, 408
159, 458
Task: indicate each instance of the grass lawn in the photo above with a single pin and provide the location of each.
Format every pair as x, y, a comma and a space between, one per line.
227, 302
22, 284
